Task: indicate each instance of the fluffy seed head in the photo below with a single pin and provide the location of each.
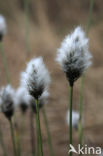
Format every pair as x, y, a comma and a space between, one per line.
75, 119
7, 96
2, 27
36, 77
23, 99
73, 55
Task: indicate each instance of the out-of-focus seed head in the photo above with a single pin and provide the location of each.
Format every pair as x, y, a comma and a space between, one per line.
23, 99
75, 119
2, 27
73, 55
7, 96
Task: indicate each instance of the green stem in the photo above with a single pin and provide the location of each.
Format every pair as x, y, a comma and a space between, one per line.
26, 3
18, 143
90, 16
70, 108
17, 136
37, 138
80, 128
4, 62
2, 143
39, 128
13, 137
32, 133
48, 131
81, 111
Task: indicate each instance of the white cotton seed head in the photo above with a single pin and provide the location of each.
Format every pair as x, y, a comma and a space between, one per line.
2, 26
73, 55
75, 119
36, 78
23, 99
7, 101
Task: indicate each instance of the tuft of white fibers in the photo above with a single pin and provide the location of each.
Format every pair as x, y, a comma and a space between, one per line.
7, 101
2, 26
23, 99
36, 78
73, 55
75, 119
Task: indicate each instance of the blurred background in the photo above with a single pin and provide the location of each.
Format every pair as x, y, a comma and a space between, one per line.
49, 22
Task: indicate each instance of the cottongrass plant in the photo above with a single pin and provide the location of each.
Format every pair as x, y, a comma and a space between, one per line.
3, 30
36, 79
74, 58
7, 96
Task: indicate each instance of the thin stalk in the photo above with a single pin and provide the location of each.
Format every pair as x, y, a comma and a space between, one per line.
81, 111
2, 144
39, 128
82, 78
21, 134
32, 133
4, 62
37, 138
26, 3
70, 108
48, 131
22, 124
17, 136
90, 16
13, 137
18, 143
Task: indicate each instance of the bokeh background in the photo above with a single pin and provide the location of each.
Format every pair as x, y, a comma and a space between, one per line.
49, 22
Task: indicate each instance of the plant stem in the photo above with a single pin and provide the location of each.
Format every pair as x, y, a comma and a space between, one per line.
37, 138
80, 128
17, 136
32, 133
12, 136
81, 111
2, 144
26, 3
4, 62
48, 131
90, 16
70, 108
18, 142
39, 128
